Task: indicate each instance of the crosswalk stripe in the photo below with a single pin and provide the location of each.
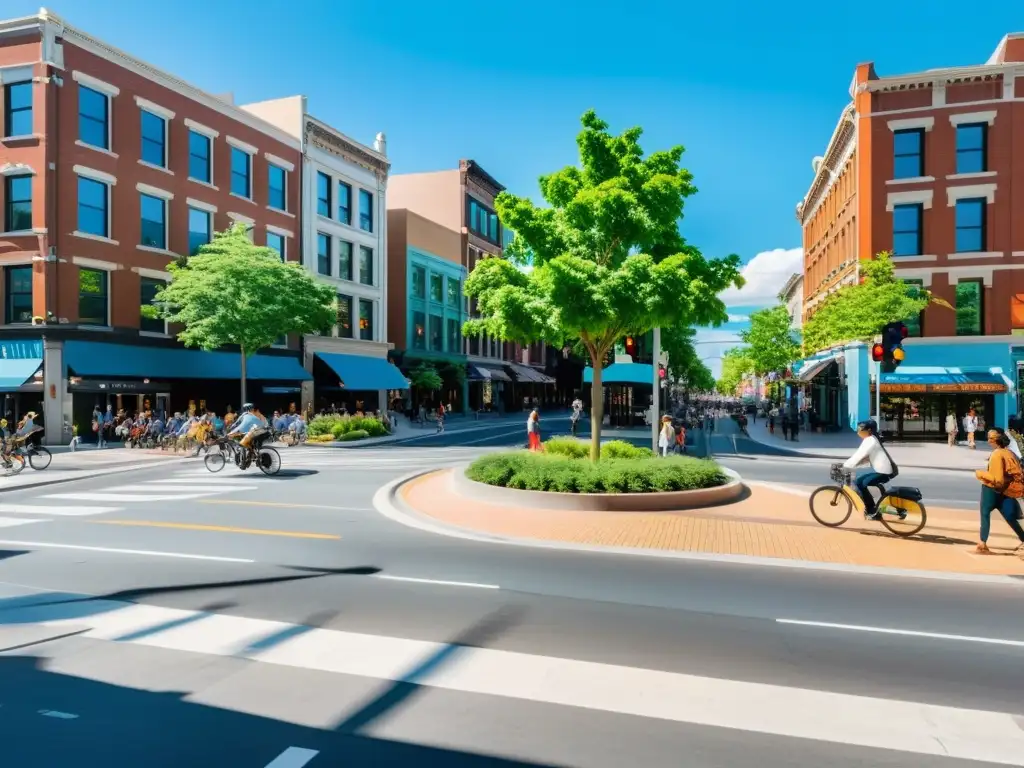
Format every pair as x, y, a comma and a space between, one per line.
196, 483
124, 497
824, 716
50, 511
10, 522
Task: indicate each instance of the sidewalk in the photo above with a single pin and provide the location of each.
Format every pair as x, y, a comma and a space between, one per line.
841, 445
85, 463
772, 522
409, 432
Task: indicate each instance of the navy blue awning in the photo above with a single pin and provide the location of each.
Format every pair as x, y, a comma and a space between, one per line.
623, 373
940, 380
361, 373
98, 358
19, 360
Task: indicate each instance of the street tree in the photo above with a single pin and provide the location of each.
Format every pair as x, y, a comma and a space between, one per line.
425, 378
859, 312
735, 365
606, 254
771, 343
684, 365
232, 292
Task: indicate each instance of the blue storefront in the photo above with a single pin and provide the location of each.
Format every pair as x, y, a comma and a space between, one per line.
940, 376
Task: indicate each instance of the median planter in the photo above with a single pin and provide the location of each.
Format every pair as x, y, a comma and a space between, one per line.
624, 485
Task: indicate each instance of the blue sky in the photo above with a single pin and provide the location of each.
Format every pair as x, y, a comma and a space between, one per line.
751, 89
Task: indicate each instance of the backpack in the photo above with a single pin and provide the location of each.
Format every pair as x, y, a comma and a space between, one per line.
1015, 486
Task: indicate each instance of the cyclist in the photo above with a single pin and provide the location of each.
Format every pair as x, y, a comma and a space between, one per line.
248, 423
873, 453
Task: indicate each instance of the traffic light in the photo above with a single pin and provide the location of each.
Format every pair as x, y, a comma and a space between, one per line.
877, 353
630, 347
892, 346
661, 371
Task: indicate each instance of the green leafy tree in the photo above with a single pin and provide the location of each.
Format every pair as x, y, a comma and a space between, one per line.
736, 364
859, 312
684, 365
606, 254
770, 341
232, 292
426, 378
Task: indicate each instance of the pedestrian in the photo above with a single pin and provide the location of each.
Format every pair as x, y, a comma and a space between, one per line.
440, 419
1001, 485
794, 428
577, 414
667, 436
771, 422
785, 425
533, 431
681, 439
970, 427
951, 429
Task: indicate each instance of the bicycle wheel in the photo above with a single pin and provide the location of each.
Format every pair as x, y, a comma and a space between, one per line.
830, 506
39, 458
269, 461
214, 461
17, 463
900, 516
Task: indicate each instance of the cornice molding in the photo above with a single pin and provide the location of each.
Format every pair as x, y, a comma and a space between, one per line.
839, 149
348, 150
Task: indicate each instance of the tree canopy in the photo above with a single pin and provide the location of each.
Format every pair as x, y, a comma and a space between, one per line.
232, 292
771, 343
736, 364
859, 312
606, 253
425, 378
684, 364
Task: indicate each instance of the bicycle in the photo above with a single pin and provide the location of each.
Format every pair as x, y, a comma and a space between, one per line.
267, 459
37, 456
900, 508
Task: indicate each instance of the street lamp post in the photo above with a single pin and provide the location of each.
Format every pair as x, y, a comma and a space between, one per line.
656, 389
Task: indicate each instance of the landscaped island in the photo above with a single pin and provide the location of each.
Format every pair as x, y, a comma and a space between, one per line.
565, 467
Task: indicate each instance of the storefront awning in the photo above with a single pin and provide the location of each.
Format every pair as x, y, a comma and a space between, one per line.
813, 367
525, 373
19, 360
481, 372
623, 373
364, 374
102, 359
942, 380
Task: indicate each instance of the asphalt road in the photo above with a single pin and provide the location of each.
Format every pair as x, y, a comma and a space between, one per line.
133, 607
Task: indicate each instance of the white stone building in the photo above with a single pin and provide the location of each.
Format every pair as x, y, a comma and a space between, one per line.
792, 295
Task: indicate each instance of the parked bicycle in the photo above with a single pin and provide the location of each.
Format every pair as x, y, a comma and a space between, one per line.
267, 459
900, 508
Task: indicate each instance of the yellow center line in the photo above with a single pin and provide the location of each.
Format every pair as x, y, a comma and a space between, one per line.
280, 504
217, 528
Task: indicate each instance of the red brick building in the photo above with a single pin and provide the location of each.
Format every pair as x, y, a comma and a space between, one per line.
111, 169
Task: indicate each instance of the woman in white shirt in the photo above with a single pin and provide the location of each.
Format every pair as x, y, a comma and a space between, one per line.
951, 429
970, 427
883, 469
667, 436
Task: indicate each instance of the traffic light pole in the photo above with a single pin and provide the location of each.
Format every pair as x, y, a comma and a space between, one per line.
878, 395
656, 389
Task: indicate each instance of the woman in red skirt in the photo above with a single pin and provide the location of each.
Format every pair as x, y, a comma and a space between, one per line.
533, 431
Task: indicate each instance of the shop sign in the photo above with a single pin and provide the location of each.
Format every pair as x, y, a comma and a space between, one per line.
99, 385
986, 388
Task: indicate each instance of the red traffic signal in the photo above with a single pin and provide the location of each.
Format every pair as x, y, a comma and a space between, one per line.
662, 372
877, 353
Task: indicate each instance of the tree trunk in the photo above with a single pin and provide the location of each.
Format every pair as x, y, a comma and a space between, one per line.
596, 410
244, 401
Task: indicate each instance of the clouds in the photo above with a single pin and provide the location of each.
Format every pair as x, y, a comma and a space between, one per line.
739, 318
765, 274
711, 344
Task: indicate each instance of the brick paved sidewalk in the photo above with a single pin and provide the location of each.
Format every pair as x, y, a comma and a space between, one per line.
769, 522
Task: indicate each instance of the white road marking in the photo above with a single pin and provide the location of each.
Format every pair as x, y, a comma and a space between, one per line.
10, 522
293, 757
824, 716
198, 486
116, 551
62, 511
57, 714
436, 581
905, 632
118, 496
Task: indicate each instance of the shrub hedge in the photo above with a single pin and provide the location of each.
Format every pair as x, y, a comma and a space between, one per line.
336, 426
572, 448
559, 473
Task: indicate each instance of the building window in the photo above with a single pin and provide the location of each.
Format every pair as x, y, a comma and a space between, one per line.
198, 229
971, 146
915, 324
419, 282
154, 221
419, 330
365, 210
492, 226
92, 296
18, 304
344, 260
323, 194
906, 229
436, 287
275, 242
93, 207
150, 287
241, 173
970, 310
436, 333
154, 139
344, 203
454, 293
1016, 313
199, 166
970, 225
908, 154
17, 203
276, 183
366, 320
345, 316
323, 253
93, 117
483, 221
365, 265
18, 109
454, 336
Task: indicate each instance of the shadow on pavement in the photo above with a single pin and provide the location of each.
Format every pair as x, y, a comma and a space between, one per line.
51, 719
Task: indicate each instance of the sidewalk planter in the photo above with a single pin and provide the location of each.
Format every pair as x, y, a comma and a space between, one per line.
669, 501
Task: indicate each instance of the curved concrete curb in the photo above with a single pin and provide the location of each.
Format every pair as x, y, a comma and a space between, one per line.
387, 502
669, 501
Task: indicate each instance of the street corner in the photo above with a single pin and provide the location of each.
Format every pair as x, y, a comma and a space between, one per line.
768, 523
